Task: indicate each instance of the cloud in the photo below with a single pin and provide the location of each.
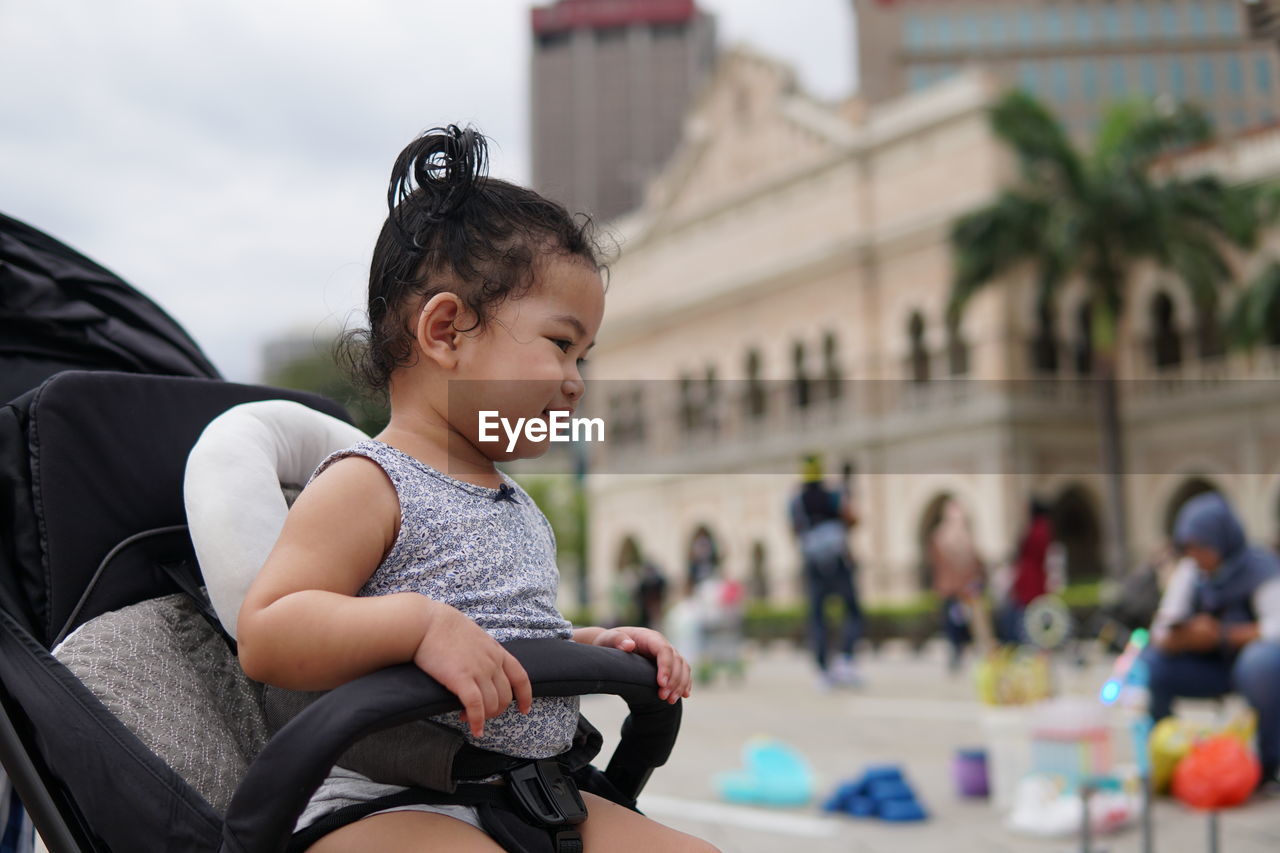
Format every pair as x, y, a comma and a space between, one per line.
230, 158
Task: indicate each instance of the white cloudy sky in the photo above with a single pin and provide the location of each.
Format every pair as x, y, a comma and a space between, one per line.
229, 157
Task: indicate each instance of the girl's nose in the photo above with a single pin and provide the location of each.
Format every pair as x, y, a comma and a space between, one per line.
574, 386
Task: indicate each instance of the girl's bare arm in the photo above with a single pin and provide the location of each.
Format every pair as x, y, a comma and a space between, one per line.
300, 624
302, 627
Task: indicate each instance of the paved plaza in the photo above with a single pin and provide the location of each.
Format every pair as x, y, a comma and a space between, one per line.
909, 713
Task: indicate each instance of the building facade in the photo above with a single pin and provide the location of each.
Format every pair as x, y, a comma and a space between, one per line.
782, 292
610, 83
1077, 55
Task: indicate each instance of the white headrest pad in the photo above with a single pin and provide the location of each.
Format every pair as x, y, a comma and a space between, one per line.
232, 488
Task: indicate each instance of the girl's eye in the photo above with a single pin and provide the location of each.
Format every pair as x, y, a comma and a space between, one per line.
561, 343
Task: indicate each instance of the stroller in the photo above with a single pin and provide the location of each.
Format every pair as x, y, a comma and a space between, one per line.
137, 749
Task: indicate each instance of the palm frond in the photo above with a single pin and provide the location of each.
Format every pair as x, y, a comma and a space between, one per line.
1255, 317
1134, 133
1044, 151
991, 240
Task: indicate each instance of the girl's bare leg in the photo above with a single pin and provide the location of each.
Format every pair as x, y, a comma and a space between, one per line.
406, 832
613, 828
610, 828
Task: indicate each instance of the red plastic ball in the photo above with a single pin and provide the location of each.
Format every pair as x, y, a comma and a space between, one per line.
1219, 772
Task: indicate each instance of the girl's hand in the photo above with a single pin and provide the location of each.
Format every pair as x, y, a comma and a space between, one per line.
674, 677
473, 666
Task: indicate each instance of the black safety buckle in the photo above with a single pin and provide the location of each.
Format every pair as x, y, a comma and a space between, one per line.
546, 794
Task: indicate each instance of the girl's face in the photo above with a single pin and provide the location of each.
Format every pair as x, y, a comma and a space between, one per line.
528, 360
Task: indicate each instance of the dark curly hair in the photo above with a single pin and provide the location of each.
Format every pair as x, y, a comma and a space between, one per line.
450, 227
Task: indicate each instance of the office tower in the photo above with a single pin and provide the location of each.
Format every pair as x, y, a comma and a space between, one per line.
611, 82
1077, 55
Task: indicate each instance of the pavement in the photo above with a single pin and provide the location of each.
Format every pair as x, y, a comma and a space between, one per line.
910, 712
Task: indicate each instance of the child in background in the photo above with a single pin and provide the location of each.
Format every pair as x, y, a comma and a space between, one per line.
413, 546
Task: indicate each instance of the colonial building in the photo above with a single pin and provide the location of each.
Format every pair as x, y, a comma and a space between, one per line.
782, 291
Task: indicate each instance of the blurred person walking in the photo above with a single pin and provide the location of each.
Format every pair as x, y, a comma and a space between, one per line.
821, 518
1030, 572
957, 580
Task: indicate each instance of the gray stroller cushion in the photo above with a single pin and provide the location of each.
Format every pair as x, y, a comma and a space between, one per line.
164, 672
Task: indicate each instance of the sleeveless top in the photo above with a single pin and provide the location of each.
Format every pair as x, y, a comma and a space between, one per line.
490, 553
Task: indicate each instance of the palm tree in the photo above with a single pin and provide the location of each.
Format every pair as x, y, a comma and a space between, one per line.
1255, 317
1094, 215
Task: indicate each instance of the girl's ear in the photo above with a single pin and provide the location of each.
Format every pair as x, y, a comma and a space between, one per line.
436, 332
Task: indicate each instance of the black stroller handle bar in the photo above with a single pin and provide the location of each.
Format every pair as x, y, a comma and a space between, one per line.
290, 768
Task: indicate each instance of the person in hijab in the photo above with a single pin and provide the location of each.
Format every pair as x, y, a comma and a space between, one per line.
957, 578
1218, 626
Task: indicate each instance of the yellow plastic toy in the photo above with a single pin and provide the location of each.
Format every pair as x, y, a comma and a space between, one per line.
1013, 677
1172, 738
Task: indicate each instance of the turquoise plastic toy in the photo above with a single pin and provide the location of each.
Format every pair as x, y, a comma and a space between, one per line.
774, 774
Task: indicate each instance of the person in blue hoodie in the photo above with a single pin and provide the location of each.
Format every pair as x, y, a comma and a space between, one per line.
1218, 627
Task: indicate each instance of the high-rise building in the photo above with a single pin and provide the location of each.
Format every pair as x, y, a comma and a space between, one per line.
1077, 56
611, 82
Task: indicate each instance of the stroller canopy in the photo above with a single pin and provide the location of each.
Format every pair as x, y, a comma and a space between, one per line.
59, 310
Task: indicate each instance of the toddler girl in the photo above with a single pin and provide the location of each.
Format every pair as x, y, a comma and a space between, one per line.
413, 546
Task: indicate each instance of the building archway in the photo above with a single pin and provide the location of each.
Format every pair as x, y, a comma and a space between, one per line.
929, 521
703, 557
1166, 342
629, 555
919, 348
1192, 486
1275, 521
1075, 525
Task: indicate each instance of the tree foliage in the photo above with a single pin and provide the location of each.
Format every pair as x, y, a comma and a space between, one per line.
320, 373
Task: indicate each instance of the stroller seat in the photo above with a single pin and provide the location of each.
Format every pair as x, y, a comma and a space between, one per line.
95, 557
164, 672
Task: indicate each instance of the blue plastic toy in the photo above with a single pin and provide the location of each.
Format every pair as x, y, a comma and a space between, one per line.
774, 774
880, 792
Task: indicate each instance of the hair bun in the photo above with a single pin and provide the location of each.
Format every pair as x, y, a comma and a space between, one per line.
437, 172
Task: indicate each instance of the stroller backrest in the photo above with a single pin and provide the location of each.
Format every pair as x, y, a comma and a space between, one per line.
103, 510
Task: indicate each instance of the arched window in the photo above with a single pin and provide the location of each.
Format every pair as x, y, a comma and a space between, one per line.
710, 400
1166, 346
1076, 527
1191, 487
957, 348
755, 397
1044, 346
687, 417
800, 375
929, 521
704, 557
919, 353
831, 372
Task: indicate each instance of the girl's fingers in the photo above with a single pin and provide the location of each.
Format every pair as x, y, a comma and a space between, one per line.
490, 692
473, 709
504, 692
519, 680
